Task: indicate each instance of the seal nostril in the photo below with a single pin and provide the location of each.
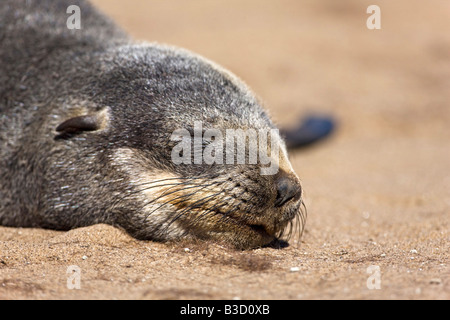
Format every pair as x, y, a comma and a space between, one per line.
287, 189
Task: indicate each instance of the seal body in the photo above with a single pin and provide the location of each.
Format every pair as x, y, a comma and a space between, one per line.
86, 134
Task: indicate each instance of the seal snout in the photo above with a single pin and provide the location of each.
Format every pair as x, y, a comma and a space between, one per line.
288, 189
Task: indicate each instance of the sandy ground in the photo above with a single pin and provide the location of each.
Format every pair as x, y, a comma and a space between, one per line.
377, 191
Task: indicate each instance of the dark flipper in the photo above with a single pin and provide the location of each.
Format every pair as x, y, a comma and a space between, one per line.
311, 130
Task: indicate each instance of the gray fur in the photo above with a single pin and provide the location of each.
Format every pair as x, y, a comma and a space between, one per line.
143, 92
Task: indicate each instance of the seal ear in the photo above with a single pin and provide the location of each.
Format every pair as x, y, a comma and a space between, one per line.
90, 122
78, 124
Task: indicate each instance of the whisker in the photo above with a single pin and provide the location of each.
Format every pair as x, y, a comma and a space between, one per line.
177, 178
192, 206
221, 203
179, 197
117, 201
187, 181
174, 184
301, 220
303, 217
214, 208
225, 215
196, 204
247, 211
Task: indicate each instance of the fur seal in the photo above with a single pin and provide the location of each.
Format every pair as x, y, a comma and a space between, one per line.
86, 118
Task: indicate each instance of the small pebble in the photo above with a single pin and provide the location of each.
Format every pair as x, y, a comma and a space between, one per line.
435, 281
295, 269
84, 258
187, 250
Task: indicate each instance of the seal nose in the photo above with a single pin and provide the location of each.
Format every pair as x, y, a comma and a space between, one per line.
287, 189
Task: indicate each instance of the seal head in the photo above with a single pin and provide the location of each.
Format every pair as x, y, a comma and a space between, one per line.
157, 92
